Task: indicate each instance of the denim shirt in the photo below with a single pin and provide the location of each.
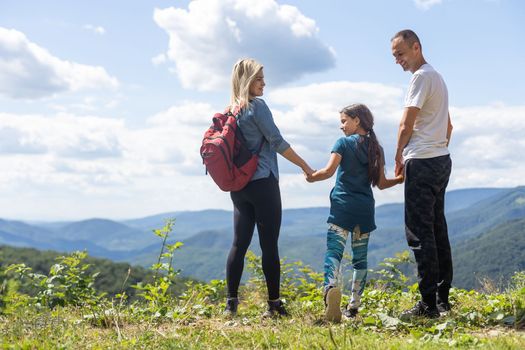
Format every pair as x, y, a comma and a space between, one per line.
257, 125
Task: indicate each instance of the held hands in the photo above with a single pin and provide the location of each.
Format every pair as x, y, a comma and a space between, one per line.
307, 171
310, 177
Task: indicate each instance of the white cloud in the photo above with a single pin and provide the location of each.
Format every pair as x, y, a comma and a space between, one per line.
65, 135
308, 116
28, 71
159, 59
487, 144
208, 37
426, 4
103, 167
14, 141
95, 29
91, 166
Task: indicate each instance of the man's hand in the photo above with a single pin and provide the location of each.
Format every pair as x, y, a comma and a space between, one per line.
398, 170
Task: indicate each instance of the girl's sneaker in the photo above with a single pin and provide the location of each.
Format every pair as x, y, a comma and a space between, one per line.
333, 305
350, 312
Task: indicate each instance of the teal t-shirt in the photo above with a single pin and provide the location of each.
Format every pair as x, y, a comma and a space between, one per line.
352, 200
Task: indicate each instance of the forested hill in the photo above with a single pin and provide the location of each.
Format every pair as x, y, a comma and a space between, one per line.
207, 235
113, 278
495, 255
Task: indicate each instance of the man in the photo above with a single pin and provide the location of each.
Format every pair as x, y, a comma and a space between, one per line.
422, 153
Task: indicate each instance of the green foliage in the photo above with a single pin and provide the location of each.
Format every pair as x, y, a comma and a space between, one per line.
158, 293
3, 288
391, 275
200, 299
110, 279
72, 311
299, 282
66, 284
517, 293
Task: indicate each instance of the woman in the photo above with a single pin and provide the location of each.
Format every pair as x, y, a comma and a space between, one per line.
260, 201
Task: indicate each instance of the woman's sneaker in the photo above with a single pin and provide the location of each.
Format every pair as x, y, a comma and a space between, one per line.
275, 309
333, 305
231, 307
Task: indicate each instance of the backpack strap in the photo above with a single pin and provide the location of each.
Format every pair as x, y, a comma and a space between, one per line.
236, 111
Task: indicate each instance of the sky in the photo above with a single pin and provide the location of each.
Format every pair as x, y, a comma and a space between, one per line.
103, 104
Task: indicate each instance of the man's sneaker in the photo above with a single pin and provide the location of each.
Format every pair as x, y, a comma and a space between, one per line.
231, 307
275, 309
350, 312
419, 310
333, 305
443, 307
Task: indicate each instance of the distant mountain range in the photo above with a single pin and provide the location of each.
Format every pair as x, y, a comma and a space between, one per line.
473, 216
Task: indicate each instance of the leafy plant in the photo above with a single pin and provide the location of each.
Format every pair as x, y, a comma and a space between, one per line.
157, 293
391, 275
298, 281
66, 284
193, 320
518, 299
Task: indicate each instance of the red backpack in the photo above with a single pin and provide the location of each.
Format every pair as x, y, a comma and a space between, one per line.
224, 153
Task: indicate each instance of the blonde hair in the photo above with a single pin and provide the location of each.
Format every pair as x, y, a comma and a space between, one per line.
243, 74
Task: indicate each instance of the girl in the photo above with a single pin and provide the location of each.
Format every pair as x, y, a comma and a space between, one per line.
260, 201
360, 162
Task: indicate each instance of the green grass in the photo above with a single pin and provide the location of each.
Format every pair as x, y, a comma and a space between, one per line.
65, 311
66, 328
195, 321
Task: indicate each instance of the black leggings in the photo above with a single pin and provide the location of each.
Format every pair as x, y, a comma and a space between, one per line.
258, 203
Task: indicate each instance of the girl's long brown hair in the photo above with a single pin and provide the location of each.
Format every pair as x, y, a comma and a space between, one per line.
375, 155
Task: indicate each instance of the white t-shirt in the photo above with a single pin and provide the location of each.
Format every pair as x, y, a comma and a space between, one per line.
428, 92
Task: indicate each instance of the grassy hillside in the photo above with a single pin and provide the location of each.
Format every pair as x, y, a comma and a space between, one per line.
194, 320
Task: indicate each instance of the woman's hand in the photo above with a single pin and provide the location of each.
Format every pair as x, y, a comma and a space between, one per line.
307, 170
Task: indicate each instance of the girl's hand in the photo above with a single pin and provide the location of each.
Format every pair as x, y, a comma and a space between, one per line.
310, 177
400, 178
399, 163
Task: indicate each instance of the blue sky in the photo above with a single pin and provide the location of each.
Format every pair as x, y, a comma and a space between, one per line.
103, 103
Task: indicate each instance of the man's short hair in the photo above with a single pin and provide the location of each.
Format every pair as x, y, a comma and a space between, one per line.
408, 36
